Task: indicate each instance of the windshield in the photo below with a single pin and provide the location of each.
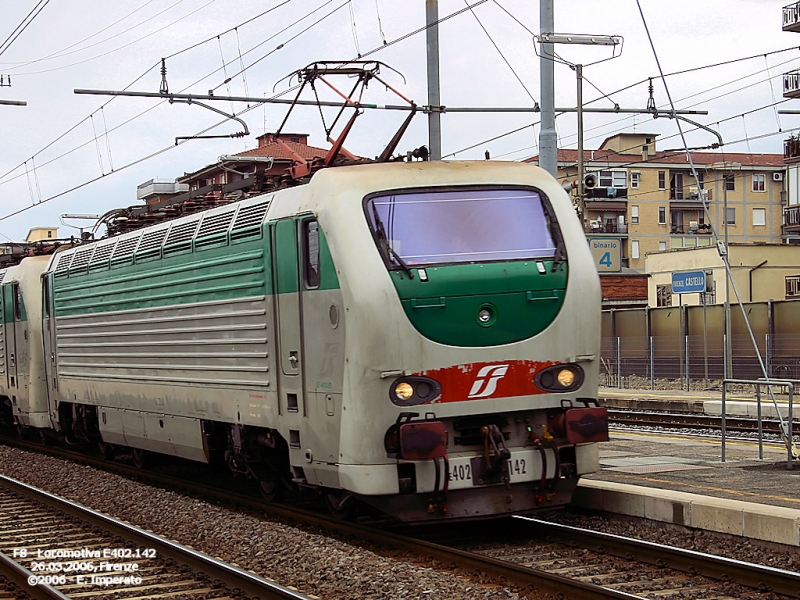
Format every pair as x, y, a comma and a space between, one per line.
461, 226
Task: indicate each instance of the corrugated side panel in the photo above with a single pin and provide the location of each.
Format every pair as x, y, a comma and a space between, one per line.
198, 322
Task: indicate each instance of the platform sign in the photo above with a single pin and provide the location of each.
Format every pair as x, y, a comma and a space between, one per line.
607, 253
688, 282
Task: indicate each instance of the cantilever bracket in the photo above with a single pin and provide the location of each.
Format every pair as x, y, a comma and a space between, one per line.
238, 134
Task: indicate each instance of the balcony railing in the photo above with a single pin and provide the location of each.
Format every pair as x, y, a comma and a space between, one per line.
791, 84
791, 17
791, 216
606, 228
607, 193
791, 148
688, 193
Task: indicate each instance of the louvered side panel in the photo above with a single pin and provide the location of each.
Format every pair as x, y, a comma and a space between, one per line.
2, 355
211, 343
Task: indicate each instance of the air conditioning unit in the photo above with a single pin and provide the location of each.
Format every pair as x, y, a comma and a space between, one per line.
693, 225
777, 176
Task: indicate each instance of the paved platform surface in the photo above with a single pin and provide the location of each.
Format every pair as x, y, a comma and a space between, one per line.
682, 480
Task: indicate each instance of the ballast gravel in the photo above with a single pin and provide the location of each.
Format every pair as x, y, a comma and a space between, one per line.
315, 564
320, 565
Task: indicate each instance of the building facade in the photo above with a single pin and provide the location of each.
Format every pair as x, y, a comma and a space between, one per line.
650, 200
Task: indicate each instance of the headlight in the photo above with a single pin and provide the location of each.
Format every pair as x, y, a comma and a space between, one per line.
403, 390
566, 378
559, 378
414, 389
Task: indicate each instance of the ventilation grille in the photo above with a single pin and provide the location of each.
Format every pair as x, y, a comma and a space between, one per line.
103, 253
81, 259
182, 232
251, 215
152, 239
63, 262
125, 247
218, 223
2, 276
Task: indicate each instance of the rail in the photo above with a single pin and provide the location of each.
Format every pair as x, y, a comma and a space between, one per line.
786, 428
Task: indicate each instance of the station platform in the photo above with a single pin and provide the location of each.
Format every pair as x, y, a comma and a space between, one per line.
682, 480
707, 402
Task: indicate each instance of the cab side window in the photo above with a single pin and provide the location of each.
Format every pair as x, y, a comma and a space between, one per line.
311, 263
17, 293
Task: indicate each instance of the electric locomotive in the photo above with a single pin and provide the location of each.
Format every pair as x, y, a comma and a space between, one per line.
422, 337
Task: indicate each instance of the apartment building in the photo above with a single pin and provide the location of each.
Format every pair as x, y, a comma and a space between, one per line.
649, 199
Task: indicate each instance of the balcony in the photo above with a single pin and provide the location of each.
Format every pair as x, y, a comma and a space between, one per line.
607, 192
791, 149
791, 219
791, 84
791, 17
689, 194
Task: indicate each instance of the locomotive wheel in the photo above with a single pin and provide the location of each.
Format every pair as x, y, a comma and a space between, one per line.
271, 489
106, 450
341, 504
140, 458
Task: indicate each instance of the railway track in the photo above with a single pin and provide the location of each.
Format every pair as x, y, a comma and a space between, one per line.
694, 422
542, 558
64, 550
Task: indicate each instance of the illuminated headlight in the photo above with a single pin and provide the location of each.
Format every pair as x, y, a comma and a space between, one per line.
414, 389
559, 378
403, 390
566, 378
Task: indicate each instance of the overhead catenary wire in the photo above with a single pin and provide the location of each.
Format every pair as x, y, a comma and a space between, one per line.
500, 52
23, 25
723, 254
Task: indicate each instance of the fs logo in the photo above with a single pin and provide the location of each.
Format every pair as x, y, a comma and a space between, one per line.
486, 383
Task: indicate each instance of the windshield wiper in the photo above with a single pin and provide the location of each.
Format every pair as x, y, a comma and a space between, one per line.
384, 242
560, 255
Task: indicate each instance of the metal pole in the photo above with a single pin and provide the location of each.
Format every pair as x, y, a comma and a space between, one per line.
760, 429
728, 351
724, 391
434, 99
581, 203
619, 363
548, 141
789, 434
705, 343
652, 365
686, 351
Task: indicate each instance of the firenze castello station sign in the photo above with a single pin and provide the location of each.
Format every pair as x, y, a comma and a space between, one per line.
689, 282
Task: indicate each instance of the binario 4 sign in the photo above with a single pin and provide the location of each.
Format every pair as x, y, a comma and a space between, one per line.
688, 282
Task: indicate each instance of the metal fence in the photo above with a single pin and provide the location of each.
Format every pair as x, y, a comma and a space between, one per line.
695, 362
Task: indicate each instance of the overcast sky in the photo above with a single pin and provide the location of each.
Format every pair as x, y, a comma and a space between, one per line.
61, 141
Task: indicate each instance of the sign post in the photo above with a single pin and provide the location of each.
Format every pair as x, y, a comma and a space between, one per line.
689, 282
607, 253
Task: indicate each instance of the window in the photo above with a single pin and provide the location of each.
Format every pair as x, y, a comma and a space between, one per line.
49, 234
676, 186
701, 179
792, 286
493, 224
311, 254
759, 182
17, 301
662, 180
635, 249
730, 182
615, 179
759, 216
662, 246
662, 215
664, 295
731, 216
635, 176
634, 214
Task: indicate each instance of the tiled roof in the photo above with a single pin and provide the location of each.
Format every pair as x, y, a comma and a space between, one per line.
279, 151
592, 157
